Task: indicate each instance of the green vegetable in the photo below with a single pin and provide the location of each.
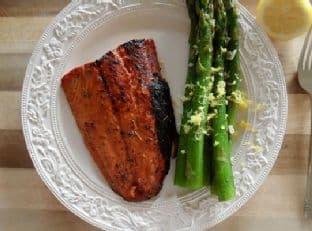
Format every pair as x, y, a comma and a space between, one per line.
197, 118
208, 160
223, 183
232, 59
180, 178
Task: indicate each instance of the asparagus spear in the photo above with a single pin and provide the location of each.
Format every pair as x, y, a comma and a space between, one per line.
208, 160
191, 76
223, 176
197, 118
232, 59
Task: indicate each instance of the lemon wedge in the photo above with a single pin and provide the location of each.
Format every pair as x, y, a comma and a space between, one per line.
284, 19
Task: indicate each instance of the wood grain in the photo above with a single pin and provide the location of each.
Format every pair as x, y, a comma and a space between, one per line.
299, 114
10, 115
289, 60
22, 189
12, 69
20, 34
299, 110
17, 8
240, 223
39, 220
293, 156
13, 150
291, 160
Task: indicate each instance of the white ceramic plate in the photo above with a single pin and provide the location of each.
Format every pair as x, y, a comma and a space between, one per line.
84, 31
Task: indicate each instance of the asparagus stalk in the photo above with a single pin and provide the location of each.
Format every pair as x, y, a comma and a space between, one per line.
197, 118
223, 176
208, 160
232, 59
191, 76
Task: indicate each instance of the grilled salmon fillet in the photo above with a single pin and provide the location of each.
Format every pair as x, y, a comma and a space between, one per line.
123, 109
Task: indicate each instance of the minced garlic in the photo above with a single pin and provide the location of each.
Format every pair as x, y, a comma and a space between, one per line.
196, 119
239, 99
220, 88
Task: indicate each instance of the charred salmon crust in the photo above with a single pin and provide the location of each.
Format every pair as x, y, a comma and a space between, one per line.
164, 116
122, 107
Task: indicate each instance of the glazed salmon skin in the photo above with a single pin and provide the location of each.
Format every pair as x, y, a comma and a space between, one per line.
122, 107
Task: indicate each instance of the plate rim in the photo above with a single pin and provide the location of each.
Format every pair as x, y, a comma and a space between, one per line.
243, 200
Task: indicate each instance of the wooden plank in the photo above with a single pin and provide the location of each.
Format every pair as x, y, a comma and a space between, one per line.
10, 116
299, 114
17, 8
293, 157
23, 189
282, 194
243, 223
38, 220
32, 28
289, 57
279, 196
34, 220
13, 152
12, 71
299, 110
20, 35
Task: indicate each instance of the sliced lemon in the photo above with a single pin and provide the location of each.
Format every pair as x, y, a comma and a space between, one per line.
284, 19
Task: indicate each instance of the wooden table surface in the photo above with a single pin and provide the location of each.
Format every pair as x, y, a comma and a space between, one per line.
26, 203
